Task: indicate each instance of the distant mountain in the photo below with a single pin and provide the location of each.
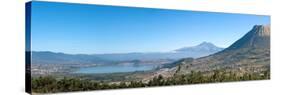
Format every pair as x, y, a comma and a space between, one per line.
200, 50
46, 57
251, 53
205, 47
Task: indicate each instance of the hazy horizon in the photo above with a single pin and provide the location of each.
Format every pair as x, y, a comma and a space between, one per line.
97, 29
130, 52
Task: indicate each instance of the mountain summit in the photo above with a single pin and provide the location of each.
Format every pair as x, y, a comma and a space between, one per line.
257, 37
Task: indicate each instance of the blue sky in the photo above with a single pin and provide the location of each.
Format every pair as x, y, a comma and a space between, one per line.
94, 29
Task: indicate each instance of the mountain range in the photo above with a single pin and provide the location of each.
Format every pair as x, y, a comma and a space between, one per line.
47, 57
251, 53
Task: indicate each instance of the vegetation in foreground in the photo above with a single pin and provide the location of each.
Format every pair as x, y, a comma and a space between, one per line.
49, 84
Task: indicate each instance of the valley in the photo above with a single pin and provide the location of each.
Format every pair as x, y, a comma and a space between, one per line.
51, 63
246, 59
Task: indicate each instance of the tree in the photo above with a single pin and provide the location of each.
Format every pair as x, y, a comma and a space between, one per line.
49, 84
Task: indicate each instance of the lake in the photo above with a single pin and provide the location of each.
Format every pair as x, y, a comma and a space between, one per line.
115, 69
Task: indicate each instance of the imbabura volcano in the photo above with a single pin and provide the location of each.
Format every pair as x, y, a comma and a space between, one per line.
249, 54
